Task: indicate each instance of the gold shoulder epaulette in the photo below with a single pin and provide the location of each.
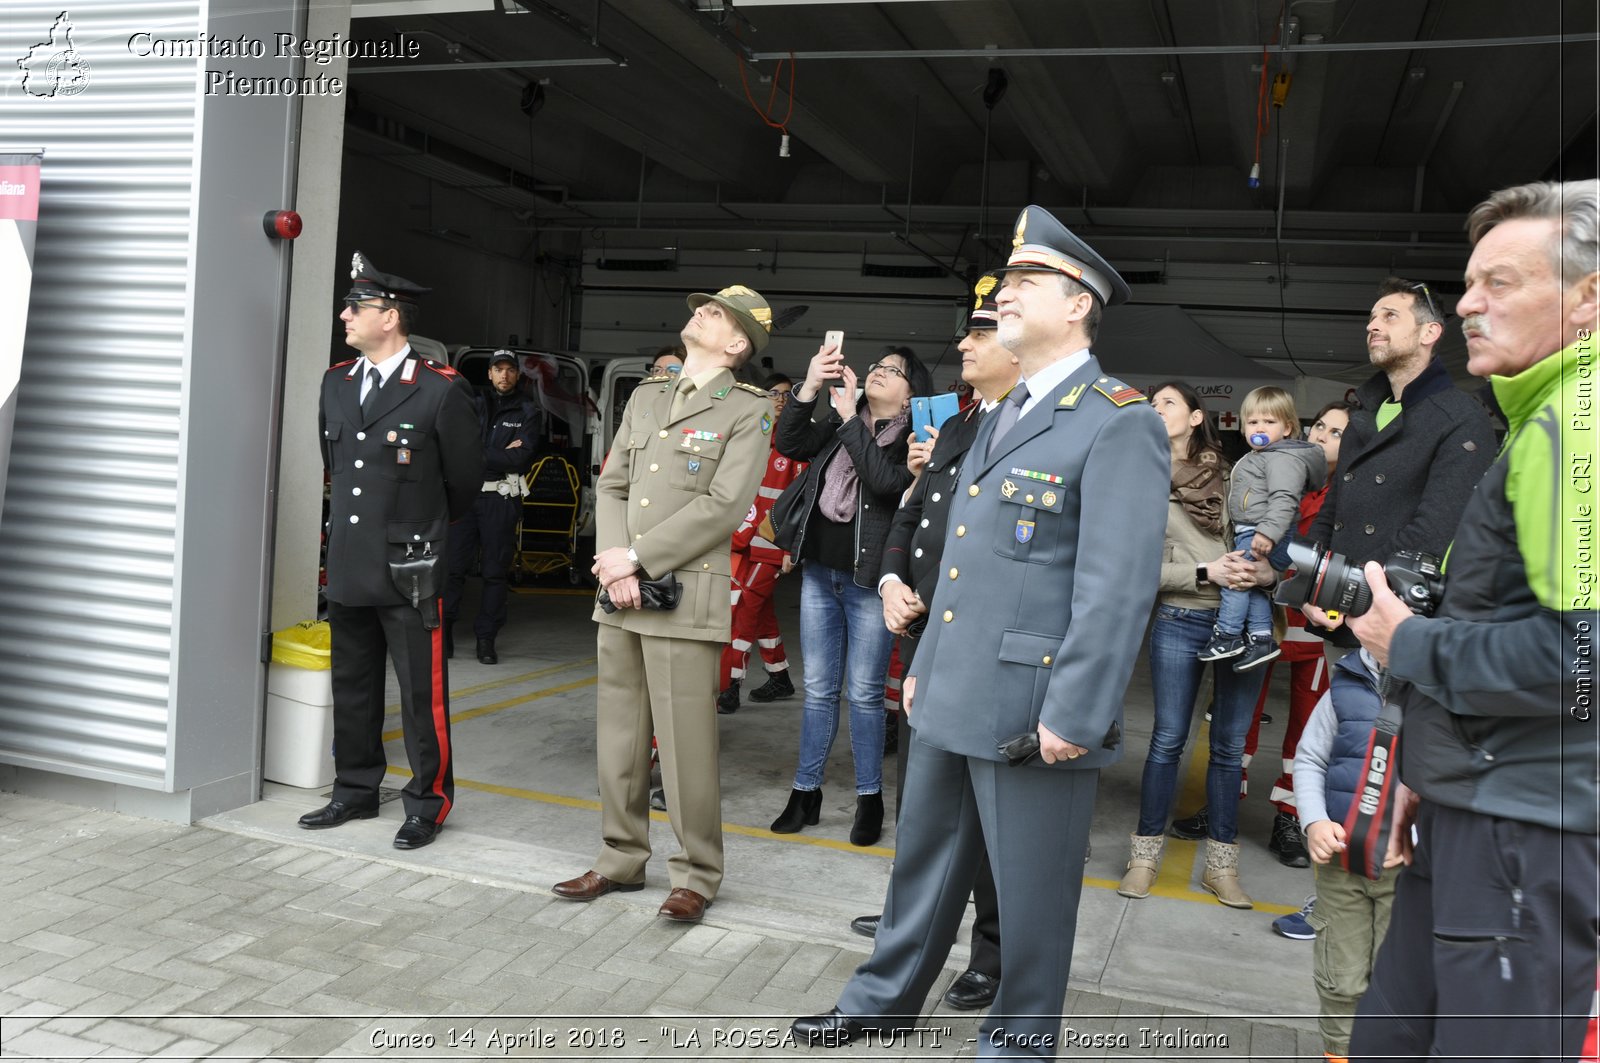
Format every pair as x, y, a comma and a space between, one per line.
658, 378
1119, 393
752, 389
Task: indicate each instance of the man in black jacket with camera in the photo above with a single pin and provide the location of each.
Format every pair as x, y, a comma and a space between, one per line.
402, 449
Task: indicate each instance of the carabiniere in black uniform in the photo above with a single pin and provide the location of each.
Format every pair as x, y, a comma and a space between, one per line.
402, 465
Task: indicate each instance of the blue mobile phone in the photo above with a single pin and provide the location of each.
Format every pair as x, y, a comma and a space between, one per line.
932, 410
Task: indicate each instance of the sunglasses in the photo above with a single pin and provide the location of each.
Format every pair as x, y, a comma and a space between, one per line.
887, 368
356, 306
1427, 296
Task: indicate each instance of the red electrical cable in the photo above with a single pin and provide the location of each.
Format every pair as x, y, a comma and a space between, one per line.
766, 115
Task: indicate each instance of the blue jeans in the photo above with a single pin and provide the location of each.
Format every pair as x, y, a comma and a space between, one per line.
1254, 605
1175, 677
839, 620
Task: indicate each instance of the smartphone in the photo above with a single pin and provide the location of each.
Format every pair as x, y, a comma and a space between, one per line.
932, 410
834, 338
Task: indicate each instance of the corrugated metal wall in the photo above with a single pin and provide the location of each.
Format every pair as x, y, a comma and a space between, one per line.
88, 534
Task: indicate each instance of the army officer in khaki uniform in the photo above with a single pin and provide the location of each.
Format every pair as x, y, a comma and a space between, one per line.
682, 471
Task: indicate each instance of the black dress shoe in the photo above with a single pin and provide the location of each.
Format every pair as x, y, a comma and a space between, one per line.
336, 812
486, 654
836, 1029
866, 925
416, 832
971, 991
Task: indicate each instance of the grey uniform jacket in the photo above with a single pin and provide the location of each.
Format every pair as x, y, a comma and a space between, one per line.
675, 488
1052, 558
398, 474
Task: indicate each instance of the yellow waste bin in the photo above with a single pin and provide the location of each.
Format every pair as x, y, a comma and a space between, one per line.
298, 745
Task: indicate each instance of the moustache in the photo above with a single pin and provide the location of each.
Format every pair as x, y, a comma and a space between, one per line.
1475, 323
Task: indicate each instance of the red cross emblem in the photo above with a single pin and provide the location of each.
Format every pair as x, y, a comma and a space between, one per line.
1227, 420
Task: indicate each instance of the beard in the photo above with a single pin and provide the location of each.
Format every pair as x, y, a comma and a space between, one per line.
1010, 332
1388, 354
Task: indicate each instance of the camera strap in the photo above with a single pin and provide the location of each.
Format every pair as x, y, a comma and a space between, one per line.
1370, 819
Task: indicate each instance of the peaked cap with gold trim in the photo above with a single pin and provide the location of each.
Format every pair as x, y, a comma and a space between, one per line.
985, 314
748, 308
1043, 243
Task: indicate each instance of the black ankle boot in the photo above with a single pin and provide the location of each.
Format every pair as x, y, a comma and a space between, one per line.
803, 810
869, 819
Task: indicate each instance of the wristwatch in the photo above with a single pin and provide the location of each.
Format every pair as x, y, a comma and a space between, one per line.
1201, 576
633, 558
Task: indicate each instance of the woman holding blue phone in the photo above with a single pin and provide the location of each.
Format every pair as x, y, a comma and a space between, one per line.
835, 519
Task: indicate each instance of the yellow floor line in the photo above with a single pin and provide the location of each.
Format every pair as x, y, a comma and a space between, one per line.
466, 692
485, 710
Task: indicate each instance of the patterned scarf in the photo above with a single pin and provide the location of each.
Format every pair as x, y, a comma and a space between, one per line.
841, 484
1198, 486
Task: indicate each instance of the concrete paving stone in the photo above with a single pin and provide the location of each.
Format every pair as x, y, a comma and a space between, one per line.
39, 1008
322, 895
170, 998
535, 960
225, 944
522, 906
688, 989
188, 1048
581, 1000
1269, 1042
772, 952
288, 994
318, 959
425, 888
359, 878
229, 998
697, 940
268, 970
24, 921
1308, 1044
326, 1004
746, 980
395, 882
470, 895
304, 863
526, 995
791, 980
319, 1039
184, 930
55, 991
474, 996
275, 857
71, 1025
190, 973
634, 997
473, 969
218, 1029
734, 945
811, 958
720, 1004
77, 967
130, 1036
566, 974
844, 964
491, 932
640, 969
382, 956
44, 1044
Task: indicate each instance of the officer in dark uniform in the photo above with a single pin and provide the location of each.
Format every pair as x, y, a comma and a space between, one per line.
401, 445
512, 427
911, 572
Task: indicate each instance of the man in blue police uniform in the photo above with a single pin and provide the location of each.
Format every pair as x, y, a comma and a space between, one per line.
1050, 568
512, 427
401, 445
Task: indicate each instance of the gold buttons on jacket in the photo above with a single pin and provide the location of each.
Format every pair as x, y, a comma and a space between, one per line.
662, 433
954, 573
961, 529
637, 537
1027, 498
948, 616
973, 490
654, 467
705, 564
1047, 658
643, 502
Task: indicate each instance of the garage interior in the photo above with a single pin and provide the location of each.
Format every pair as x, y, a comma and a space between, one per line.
562, 172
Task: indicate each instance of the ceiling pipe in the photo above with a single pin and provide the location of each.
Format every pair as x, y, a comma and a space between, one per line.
1194, 49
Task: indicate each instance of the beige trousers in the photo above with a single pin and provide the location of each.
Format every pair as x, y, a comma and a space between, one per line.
666, 687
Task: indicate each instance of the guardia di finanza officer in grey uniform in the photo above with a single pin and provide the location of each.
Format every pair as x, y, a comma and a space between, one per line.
680, 477
401, 444
1050, 568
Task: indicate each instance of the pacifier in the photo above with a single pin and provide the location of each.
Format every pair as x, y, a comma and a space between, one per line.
1260, 439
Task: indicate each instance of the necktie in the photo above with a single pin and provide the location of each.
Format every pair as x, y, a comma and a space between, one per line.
374, 382
680, 396
1006, 416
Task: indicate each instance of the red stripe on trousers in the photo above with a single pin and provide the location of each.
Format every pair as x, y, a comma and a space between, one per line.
441, 718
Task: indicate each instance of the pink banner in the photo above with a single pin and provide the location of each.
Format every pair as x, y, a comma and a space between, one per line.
19, 192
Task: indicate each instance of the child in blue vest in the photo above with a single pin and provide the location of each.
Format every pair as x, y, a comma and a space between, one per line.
1351, 915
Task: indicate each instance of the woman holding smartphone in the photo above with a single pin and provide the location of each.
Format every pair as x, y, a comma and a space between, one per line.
835, 520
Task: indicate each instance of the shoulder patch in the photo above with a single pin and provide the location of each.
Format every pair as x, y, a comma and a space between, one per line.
752, 389
1119, 393
346, 364
440, 368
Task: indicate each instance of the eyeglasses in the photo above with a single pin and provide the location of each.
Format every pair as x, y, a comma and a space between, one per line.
779, 393
887, 368
670, 367
355, 306
1427, 297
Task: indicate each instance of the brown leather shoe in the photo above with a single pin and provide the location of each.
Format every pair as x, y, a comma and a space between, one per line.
684, 906
592, 884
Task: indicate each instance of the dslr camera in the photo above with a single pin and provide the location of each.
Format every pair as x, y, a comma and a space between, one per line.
1331, 583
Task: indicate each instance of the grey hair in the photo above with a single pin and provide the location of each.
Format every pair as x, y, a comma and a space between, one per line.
1071, 288
1574, 204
